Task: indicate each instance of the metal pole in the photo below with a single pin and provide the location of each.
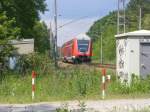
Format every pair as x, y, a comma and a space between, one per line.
50, 41
140, 18
55, 37
118, 18
124, 11
101, 48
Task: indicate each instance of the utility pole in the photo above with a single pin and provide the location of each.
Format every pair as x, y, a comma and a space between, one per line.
140, 18
101, 48
118, 18
55, 37
51, 42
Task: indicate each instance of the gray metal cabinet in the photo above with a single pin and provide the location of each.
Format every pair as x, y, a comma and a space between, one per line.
145, 59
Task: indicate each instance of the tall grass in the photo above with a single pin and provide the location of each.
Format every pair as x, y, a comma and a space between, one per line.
76, 82
138, 86
51, 84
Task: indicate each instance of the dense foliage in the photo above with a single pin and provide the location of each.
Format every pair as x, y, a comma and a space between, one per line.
107, 27
26, 13
41, 36
8, 31
26, 16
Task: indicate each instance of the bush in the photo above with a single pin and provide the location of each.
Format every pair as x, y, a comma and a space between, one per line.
138, 85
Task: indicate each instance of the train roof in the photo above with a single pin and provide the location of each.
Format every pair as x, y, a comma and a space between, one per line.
79, 37
83, 37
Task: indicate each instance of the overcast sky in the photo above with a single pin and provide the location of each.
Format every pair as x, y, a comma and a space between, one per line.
74, 9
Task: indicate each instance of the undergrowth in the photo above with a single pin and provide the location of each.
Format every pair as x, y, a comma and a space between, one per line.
71, 83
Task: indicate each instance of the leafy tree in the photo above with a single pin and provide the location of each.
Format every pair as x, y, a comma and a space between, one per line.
41, 34
133, 12
26, 13
107, 27
146, 22
8, 31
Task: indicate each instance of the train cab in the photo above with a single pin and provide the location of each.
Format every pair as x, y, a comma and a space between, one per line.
79, 49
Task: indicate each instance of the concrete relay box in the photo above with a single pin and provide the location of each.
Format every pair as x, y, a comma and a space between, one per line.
133, 54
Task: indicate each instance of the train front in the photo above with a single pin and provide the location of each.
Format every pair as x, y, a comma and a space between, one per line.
84, 48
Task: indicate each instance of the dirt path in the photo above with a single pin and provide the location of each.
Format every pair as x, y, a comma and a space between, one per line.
124, 105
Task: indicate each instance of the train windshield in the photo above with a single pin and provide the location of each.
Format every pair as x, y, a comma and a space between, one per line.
83, 45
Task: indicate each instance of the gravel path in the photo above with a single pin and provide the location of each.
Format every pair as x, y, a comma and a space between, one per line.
124, 105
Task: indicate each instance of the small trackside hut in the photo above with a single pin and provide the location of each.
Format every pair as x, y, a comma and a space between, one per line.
24, 46
133, 54
79, 49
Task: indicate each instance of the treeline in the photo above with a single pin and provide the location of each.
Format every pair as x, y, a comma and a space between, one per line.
21, 19
107, 28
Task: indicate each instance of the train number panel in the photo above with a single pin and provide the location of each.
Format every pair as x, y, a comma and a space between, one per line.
78, 49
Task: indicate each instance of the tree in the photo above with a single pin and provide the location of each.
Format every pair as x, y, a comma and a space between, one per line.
26, 13
41, 36
108, 25
133, 12
8, 31
146, 23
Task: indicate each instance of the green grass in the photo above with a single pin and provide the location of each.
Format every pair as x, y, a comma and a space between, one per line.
50, 86
72, 83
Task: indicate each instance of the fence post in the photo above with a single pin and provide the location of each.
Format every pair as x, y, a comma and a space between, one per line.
33, 84
103, 82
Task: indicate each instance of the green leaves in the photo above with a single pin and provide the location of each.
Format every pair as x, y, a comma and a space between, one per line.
107, 26
133, 13
41, 35
26, 13
146, 22
7, 29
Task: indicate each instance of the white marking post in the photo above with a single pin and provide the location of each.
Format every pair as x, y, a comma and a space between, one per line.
33, 84
103, 82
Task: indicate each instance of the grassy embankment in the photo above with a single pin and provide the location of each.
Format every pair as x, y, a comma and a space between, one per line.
71, 83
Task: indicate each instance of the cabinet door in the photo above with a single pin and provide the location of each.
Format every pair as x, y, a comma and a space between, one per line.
145, 59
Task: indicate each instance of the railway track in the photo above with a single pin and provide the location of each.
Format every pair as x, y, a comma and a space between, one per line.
98, 65
110, 66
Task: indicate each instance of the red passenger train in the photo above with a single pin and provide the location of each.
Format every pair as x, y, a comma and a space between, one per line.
78, 49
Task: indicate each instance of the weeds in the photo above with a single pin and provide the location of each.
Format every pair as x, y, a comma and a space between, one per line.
64, 108
129, 109
78, 82
82, 106
138, 85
